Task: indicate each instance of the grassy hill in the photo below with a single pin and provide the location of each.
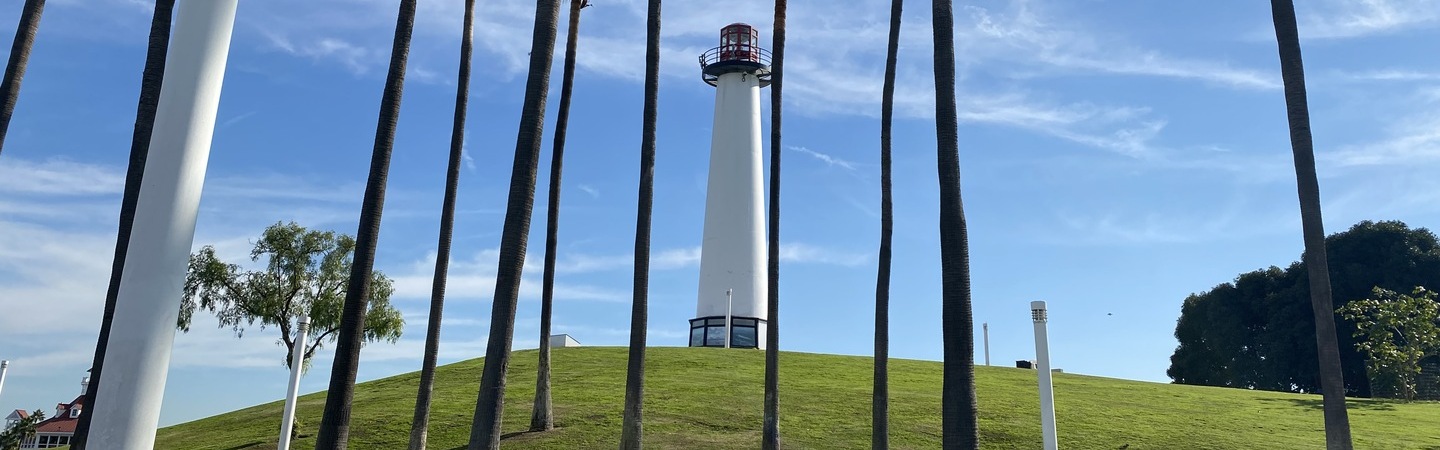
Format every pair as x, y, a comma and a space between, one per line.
711, 398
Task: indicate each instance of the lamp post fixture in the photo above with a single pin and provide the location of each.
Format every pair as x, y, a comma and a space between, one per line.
297, 361
986, 327
1042, 361
729, 305
4, 367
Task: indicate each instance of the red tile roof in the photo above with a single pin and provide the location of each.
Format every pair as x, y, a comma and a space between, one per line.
21, 413
63, 424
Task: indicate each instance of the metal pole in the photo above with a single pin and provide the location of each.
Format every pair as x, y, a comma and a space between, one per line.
127, 405
297, 361
986, 327
729, 302
4, 367
1047, 391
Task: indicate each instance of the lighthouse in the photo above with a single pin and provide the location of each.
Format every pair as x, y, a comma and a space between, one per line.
731, 303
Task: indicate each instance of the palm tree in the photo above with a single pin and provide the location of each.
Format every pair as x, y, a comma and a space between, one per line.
420, 424
150, 81
542, 417
485, 432
631, 432
770, 437
19, 57
335, 424
880, 394
1332, 380
959, 429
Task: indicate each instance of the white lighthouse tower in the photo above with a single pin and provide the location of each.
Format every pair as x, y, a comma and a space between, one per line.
732, 292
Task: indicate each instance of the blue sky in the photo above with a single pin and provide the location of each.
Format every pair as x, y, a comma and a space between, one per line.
1116, 156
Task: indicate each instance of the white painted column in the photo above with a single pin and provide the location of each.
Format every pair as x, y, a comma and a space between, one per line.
986, 327
1042, 362
127, 406
297, 361
4, 367
733, 249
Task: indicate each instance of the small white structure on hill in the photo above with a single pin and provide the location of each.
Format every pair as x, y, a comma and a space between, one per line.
563, 340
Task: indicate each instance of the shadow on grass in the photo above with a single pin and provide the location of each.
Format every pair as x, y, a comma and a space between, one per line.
244, 446
1353, 404
515, 435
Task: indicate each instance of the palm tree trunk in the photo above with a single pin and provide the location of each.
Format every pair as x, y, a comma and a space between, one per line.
880, 394
335, 424
420, 424
542, 417
1332, 379
631, 432
485, 432
19, 57
150, 81
770, 437
959, 428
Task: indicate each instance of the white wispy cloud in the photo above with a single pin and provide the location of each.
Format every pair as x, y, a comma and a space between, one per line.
825, 158
588, 189
1335, 19
58, 176
1399, 75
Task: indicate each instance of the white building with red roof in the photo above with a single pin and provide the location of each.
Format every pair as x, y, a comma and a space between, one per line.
57, 430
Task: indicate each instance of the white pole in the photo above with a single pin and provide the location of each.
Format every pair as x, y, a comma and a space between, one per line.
986, 327
729, 304
1047, 391
297, 361
127, 407
4, 367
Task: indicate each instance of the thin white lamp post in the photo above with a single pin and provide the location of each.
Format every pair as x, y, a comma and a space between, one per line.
127, 406
986, 327
1047, 391
729, 304
4, 367
297, 361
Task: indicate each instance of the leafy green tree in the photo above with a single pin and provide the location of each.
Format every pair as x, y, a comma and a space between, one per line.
1398, 331
16, 434
305, 273
1258, 332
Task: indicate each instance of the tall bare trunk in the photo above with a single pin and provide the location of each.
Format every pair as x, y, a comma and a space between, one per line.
770, 437
150, 81
420, 424
485, 432
1332, 378
959, 427
631, 433
542, 417
335, 424
880, 394
19, 58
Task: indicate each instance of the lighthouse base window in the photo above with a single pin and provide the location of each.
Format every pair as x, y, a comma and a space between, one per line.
710, 332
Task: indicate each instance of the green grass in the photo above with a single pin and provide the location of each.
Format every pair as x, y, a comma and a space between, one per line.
711, 398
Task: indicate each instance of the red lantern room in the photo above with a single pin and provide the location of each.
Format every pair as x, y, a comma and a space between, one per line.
739, 52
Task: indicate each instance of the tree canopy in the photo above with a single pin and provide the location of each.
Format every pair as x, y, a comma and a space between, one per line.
15, 435
305, 272
1396, 332
1258, 332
